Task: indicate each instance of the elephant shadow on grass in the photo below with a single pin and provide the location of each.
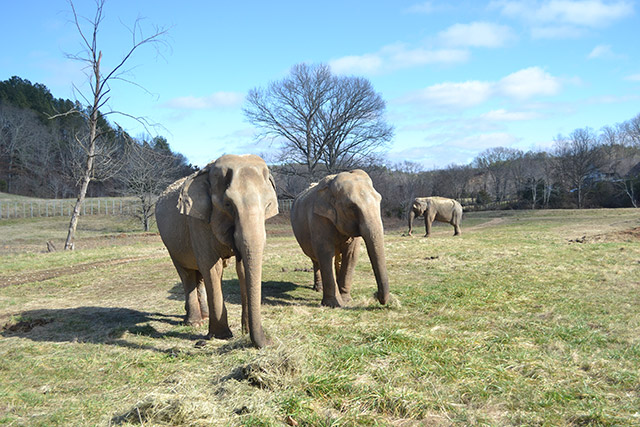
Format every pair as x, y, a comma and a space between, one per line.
273, 293
97, 325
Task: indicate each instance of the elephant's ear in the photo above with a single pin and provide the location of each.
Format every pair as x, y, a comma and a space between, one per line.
324, 202
272, 207
195, 196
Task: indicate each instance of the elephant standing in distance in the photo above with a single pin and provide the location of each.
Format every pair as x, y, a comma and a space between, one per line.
438, 209
330, 219
210, 216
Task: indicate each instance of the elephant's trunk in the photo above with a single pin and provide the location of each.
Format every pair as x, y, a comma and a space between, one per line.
373, 236
250, 241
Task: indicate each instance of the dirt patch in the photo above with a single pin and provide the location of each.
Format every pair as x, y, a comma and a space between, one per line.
120, 239
40, 276
629, 235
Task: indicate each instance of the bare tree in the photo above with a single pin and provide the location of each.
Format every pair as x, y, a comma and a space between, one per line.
631, 131
320, 118
577, 158
496, 162
99, 82
146, 174
452, 181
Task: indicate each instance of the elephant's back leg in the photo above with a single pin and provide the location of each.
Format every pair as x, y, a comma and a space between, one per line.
190, 282
349, 254
317, 277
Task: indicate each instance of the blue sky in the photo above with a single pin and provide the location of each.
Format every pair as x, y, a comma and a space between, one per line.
458, 76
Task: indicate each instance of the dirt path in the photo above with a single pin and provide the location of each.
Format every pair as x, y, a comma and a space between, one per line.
42, 275
492, 223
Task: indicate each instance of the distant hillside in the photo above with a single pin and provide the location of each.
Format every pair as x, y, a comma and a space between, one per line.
41, 156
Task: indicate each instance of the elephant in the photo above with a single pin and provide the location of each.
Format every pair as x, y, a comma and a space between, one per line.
208, 217
330, 219
438, 209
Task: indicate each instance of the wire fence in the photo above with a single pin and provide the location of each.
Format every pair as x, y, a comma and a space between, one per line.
57, 207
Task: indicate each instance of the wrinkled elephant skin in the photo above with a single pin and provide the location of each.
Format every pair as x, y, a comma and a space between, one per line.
208, 217
330, 219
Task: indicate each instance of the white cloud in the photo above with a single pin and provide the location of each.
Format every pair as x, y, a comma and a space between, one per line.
633, 77
564, 18
476, 34
395, 57
589, 13
368, 64
502, 115
216, 100
453, 95
603, 51
521, 85
529, 82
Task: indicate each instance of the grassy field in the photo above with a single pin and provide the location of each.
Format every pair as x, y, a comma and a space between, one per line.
528, 318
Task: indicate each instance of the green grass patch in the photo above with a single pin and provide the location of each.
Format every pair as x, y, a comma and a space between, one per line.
528, 318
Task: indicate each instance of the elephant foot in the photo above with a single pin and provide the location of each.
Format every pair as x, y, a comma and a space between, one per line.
332, 302
317, 288
223, 335
427, 235
346, 298
196, 322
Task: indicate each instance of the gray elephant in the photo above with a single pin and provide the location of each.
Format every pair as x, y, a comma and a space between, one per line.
330, 219
208, 217
438, 209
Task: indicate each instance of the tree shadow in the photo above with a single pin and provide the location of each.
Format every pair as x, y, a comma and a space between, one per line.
97, 325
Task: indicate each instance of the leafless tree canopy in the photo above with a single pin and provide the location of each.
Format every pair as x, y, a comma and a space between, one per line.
320, 119
577, 158
147, 171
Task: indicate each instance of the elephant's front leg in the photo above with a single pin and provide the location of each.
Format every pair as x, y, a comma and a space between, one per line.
428, 220
349, 251
218, 323
243, 295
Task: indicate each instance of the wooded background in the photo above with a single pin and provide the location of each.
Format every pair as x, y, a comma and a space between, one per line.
39, 157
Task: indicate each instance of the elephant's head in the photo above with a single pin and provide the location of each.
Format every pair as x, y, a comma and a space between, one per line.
350, 202
235, 195
418, 208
